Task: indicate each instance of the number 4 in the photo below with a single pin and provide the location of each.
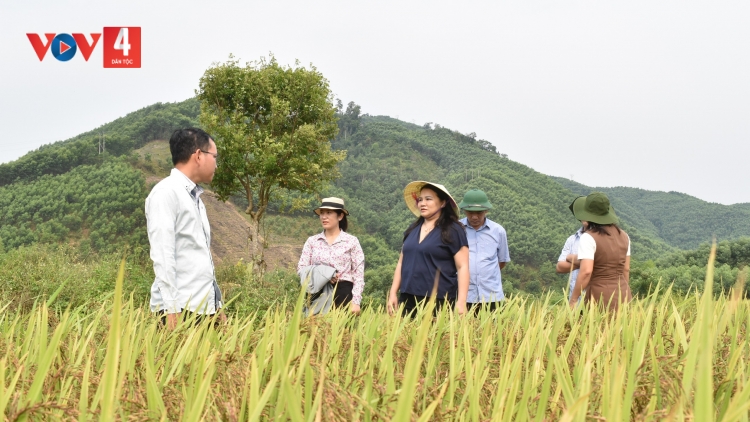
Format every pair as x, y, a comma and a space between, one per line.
121, 43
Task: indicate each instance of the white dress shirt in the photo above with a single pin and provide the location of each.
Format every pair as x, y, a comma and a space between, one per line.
571, 247
180, 238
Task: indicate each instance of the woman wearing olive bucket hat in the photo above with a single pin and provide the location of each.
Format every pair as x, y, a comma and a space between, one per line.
604, 253
428, 253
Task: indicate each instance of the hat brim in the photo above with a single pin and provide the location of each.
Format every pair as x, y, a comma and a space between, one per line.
572, 204
579, 210
317, 210
411, 191
474, 208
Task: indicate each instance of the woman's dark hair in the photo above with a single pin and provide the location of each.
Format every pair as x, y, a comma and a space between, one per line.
343, 224
447, 217
601, 228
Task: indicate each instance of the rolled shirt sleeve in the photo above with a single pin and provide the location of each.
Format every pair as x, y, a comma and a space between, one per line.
503, 255
566, 250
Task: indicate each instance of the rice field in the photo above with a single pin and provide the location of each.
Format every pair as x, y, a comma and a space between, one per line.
663, 357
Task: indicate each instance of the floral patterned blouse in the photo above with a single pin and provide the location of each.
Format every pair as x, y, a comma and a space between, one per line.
345, 255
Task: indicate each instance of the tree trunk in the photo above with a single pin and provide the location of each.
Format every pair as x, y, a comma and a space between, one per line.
256, 247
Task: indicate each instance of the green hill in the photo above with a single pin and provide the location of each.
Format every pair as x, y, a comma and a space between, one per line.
681, 220
384, 154
69, 192
100, 206
121, 137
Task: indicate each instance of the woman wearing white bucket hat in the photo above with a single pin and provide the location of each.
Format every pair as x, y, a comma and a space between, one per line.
336, 248
428, 254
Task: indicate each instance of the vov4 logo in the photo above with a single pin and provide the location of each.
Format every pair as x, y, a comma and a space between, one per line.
122, 46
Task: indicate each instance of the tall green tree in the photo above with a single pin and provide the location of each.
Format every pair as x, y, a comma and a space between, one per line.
273, 126
348, 120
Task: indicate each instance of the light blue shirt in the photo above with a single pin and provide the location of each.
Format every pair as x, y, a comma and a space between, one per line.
488, 247
571, 247
180, 239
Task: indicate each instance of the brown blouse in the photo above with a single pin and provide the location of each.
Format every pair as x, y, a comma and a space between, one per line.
609, 285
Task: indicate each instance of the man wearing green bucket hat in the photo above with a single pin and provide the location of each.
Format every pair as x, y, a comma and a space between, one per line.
604, 254
488, 251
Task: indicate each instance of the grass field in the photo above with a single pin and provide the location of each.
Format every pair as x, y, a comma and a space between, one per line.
661, 358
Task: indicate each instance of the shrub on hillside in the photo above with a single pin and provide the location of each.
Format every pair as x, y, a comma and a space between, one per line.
33, 273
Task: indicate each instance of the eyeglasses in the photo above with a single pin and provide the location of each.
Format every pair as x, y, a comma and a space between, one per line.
216, 156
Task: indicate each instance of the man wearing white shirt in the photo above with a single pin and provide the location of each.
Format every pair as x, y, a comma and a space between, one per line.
179, 232
568, 262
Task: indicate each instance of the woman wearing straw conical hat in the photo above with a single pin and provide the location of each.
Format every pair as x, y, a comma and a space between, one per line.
336, 248
434, 245
604, 254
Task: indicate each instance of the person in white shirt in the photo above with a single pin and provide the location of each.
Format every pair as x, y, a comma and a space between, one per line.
179, 232
568, 262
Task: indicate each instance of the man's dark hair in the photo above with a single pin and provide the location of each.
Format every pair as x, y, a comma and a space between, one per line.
447, 217
184, 143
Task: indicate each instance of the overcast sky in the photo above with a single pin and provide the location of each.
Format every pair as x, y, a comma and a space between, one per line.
648, 94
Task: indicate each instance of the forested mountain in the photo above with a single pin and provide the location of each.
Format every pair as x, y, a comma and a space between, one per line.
680, 220
120, 137
73, 191
70, 192
100, 206
385, 154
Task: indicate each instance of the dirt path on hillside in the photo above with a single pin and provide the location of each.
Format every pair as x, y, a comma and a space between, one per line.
229, 228
229, 233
